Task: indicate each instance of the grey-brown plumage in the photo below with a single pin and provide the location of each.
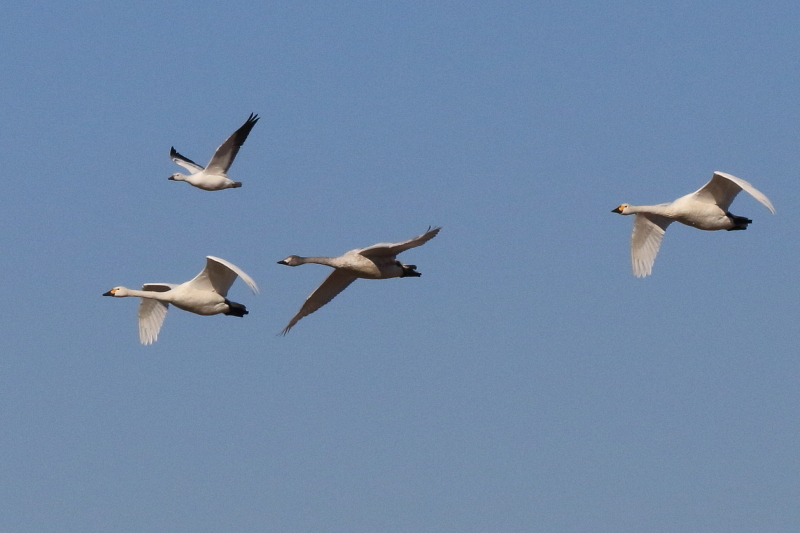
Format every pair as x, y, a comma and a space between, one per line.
378, 261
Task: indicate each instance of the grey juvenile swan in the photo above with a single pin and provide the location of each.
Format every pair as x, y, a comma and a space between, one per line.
374, 262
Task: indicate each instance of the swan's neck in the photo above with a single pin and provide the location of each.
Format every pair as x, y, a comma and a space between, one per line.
329, 261
153, 295
660, 209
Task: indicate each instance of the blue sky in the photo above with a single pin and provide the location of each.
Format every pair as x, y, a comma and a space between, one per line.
526, 382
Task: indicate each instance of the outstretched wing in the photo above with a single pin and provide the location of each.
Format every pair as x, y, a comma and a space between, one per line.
723, 188
152, 313
648, 229
386, 249
336, 282
219, 275
185, 162
227, 151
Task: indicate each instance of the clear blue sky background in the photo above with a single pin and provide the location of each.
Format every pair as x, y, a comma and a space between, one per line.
526, 382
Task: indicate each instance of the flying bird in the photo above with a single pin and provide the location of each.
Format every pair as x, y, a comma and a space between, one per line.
205, 294
214, 177
378, 261
706, 209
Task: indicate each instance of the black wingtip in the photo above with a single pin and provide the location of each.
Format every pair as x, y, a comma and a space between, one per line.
244, 130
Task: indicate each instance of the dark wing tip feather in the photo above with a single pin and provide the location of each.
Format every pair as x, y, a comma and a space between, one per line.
244, 131
175, 156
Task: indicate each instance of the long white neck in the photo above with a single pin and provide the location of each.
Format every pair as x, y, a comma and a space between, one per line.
163, 296
660, 209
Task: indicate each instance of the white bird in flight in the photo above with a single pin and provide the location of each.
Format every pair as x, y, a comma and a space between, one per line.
214, 177
706, 209
374, 262
205, 294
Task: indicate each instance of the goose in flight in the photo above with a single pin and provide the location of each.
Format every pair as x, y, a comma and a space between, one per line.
706, 209
374, 262
205, 294
214, 177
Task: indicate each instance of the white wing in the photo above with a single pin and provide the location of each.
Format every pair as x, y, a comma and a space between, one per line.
152, 313
218, 276
336, 282
723, 188
648, 230
227, 151
386, 249
185, 162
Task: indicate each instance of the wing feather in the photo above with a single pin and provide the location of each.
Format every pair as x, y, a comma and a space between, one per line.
386, 249
151, 317
158, 287
723, 188
218, 276
336, 282
648, 230
185, 162
227, 151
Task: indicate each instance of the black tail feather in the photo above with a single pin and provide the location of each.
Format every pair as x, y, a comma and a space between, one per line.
235, 309
740, 223
408, 271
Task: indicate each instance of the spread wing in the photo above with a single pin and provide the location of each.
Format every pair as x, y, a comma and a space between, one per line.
185, 162
152, 313
385, 249
219, 275
227, 151
336, 282
648, 230
723, 188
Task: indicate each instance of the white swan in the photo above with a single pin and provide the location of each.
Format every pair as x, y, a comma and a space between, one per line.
706, 209
374, 262
205, 294
214, 177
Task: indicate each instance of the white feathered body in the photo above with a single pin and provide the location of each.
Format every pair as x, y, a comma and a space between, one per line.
687, 210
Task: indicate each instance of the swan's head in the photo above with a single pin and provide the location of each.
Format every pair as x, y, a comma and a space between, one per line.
119, 292
292, 261
621, 209
177, 177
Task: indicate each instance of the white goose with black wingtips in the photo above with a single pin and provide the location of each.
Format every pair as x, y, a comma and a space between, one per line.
214, 177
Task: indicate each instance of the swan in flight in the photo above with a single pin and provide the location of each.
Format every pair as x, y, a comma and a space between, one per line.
203, 295
374, 262
214, 177
706, 209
